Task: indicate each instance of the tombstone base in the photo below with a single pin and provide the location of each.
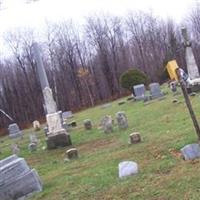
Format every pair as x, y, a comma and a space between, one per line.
60, 139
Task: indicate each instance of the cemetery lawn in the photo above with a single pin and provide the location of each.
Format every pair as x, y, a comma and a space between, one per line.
165, 128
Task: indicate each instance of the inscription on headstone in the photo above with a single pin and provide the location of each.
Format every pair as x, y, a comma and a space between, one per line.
17, 180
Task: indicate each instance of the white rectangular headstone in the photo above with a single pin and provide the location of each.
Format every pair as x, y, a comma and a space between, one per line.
54, 122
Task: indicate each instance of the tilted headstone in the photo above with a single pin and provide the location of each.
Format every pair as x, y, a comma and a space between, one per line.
17, 180
14, 131
127, 168
107, 124
87, 124
36, 125
155, 90
56, 136
139, 91
122, 120
191, 151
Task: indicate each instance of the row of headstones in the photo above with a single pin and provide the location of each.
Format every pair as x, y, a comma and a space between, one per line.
155, 92
15, 132
107, 126
107, 122
17, 180
189, 152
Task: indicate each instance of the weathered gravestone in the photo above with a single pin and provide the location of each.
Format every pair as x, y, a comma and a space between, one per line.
72, 153
33, 143
191, 151
57, 136
14, 131
17, 180
107, 124
32, 147
155, 90
67, 115
173, 86
121, 120
139, 92
134, 138
36, 125
87, 124
15, 149
127, 168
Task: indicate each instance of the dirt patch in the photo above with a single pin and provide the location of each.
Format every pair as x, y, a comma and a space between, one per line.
98, 144
175, 153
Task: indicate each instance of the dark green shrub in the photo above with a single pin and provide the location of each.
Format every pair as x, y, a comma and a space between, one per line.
132, 77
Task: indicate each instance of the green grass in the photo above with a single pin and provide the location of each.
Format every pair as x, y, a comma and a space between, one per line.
165, 128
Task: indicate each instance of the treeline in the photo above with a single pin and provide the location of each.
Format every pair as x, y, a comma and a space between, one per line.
84, 63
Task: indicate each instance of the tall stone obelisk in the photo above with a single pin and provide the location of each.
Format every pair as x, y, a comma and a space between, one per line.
56, 136
192, 68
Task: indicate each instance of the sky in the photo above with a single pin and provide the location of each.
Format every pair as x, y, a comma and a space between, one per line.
18, 13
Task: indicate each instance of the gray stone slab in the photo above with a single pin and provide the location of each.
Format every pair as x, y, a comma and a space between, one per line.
191, 151
17, 180
13, 169
14, 130
23, 186
7, 160
155, 90
139, 91
67, 114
